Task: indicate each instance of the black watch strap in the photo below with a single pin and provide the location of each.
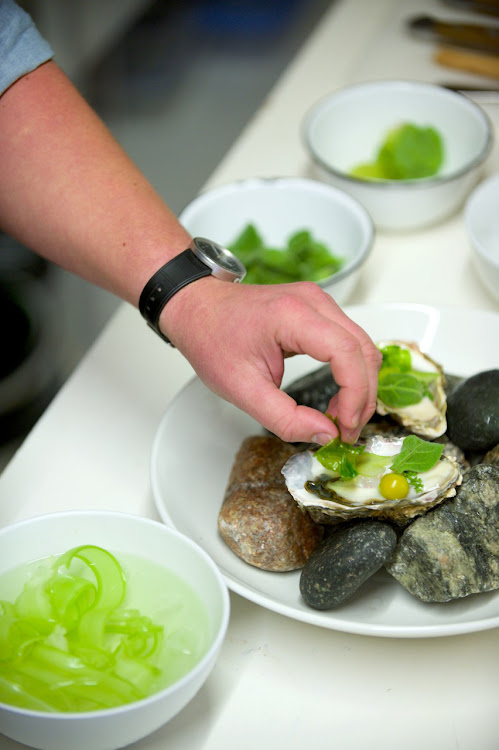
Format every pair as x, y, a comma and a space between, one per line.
166, 282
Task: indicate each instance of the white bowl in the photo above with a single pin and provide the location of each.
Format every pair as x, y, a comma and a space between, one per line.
116, 727
481, 216
347, 127
281, 206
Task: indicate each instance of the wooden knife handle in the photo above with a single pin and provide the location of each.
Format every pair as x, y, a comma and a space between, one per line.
472, 62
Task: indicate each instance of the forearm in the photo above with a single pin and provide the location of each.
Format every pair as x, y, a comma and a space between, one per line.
69, 192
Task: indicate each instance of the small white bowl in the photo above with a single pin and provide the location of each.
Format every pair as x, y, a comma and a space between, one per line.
347, 127
116, 727
280, 206
481, 217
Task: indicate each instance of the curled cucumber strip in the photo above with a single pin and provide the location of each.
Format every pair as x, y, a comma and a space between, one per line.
68, 644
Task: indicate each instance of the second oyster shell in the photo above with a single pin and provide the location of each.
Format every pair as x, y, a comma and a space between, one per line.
427, 418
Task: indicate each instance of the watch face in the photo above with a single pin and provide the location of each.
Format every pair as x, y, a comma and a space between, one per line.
223, 263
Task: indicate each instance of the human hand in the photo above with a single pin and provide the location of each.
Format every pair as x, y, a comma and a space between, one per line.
238, 336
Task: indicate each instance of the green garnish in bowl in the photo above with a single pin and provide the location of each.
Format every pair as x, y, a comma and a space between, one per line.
408, 152
303, 258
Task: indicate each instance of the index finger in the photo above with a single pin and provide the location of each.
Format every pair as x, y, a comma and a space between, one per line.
353, 357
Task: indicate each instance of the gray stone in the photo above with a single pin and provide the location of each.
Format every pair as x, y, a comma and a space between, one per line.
453, 551
344, 560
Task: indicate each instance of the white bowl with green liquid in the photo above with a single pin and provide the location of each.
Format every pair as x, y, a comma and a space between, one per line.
349, 127
109, 625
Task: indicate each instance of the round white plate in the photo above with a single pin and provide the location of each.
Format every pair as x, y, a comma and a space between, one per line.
198, 438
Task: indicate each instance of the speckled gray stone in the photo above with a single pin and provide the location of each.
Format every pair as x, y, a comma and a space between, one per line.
343, 561
453, 551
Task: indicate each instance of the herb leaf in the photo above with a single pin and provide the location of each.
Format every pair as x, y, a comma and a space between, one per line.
416, 456
407, 152
340, 457
414, 480
399, 389
398, 384
302, 257
396, 357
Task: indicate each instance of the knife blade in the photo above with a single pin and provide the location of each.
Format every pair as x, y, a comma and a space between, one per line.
473, 36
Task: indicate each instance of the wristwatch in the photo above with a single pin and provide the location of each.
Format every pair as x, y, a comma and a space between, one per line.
202, 258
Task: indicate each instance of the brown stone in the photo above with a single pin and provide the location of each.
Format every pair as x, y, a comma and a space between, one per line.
259, 520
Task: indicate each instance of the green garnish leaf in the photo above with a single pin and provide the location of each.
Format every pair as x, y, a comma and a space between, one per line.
340, 457
396, 357
407, 152
398, 384
411, 152
303, 258
247, 242
414, 480
416, 456
399, 389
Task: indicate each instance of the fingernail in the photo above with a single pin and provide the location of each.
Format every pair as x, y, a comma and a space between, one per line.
322, 438
350, 436
356, 419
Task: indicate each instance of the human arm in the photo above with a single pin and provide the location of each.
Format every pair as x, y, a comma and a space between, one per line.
70, 192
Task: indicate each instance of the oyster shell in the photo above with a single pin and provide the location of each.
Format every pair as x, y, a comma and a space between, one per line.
427, 418
360, 497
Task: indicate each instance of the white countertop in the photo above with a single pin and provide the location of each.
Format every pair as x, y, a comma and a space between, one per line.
279, 682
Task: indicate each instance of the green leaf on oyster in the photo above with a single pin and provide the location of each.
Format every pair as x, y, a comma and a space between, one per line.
340, 457
417, 455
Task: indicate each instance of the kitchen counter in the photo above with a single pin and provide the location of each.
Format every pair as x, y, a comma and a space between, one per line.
280, 682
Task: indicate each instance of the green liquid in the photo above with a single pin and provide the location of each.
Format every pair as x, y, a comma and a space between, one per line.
155, 592
171, 602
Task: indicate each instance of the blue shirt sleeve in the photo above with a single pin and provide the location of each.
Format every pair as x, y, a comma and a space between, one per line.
22, 48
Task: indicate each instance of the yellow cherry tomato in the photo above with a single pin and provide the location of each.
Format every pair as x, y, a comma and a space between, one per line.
394, 486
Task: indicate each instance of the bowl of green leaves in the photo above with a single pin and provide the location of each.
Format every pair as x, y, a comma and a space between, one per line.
410, 152
286, 230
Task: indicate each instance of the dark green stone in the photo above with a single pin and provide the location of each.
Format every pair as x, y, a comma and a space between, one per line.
316, 389
473, 412
343, 561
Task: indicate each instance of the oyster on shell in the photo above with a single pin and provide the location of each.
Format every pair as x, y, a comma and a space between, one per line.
360, 497
427, 418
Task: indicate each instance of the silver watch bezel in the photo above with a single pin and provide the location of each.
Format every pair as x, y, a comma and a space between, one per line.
223, 263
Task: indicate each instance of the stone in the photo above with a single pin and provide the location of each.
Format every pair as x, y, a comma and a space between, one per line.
259, 520
492, 456
453, 551
344, 561
316, 389
473, 412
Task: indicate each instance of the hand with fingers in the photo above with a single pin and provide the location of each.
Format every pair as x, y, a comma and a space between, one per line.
238, 336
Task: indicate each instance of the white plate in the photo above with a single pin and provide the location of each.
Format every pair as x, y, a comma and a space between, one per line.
200, 434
